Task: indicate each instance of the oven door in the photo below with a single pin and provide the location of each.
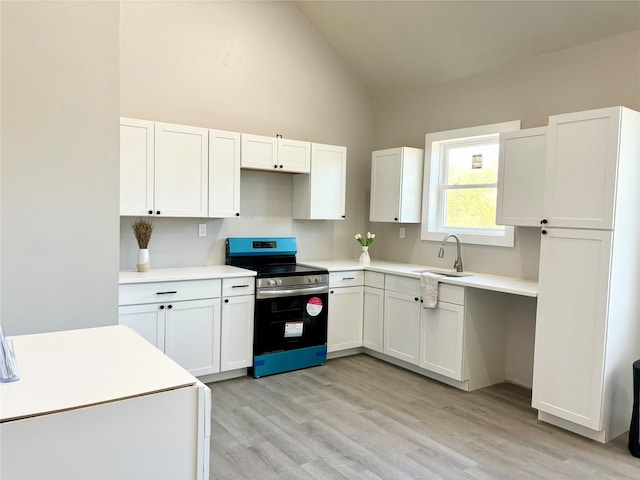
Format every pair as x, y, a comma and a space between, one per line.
290, 320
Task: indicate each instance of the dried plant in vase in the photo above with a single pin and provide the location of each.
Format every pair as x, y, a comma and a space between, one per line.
142, 229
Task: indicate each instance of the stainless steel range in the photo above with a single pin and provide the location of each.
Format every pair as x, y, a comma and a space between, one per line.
290, 322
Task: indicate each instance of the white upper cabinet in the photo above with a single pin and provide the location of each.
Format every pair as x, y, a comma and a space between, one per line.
275, 154
582, 158
259, 152
521, 177
321, 194
294, 156
224, 174
396, 185
163, 169
181, 170
136, 166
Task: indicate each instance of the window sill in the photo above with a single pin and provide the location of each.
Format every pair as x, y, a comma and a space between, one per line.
473, 238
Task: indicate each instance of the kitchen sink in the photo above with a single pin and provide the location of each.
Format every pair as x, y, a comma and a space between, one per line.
445, 273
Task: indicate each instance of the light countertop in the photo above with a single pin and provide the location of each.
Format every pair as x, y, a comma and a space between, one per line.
517, 286
498, 283
184, 273
77, 368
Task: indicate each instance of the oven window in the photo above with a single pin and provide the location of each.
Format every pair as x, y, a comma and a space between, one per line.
288, 323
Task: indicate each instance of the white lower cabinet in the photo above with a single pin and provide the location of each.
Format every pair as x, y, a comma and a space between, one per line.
430, 338
442, 340
147, 320
190, 322
373, 319
192, 335
344, 322
344, 329
402, 326
187, 331
573, 325
236, 350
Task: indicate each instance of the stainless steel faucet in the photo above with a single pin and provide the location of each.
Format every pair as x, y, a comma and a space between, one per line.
458, 263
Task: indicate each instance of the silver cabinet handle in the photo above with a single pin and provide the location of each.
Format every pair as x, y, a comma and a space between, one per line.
239, 286
348, 278
166, 293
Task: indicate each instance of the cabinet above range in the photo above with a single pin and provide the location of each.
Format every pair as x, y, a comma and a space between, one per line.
275, 154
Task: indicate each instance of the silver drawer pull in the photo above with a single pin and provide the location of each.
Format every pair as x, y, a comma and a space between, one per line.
348, 278
166, 293
239, 286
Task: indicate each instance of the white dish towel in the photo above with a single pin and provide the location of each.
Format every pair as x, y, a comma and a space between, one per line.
429, 285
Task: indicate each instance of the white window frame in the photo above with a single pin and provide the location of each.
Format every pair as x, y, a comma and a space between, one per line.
432, 200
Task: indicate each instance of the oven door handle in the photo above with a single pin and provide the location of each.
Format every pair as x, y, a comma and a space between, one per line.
273, 293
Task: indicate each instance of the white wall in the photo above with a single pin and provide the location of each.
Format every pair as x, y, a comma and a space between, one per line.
593, 75
254, 67
59, 172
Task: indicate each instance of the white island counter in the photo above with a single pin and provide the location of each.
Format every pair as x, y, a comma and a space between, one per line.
101, 403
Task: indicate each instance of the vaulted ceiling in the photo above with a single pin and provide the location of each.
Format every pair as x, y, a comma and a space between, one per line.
395, 45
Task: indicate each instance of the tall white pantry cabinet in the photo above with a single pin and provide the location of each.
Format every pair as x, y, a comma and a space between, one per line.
588, 316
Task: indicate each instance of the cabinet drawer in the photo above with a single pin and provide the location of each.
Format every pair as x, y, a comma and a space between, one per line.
346, 279
407, 285
446, 293
238, 286
374, 279
139, 293
451, 294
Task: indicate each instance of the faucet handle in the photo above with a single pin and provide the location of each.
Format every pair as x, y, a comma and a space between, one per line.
458, 264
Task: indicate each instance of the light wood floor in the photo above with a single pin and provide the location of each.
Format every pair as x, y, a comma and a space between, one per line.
361, 418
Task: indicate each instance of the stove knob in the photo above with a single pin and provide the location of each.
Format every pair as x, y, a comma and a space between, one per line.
316, 279
278, 281
270, 283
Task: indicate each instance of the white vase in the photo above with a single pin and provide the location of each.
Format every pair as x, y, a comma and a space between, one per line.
364, 256
143, 260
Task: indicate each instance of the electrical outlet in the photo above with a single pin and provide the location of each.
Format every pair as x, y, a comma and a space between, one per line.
202, 230
401, 232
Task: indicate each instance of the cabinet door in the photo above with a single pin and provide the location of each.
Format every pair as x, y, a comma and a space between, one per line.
181, 170
402, 326
237, 332
136, 166
521, 177
328, 182
581, 169
385, 185
571, 325
146, 320
321, 194
442, 339
259, 152
344, 329
373, 324
224, 174
294, 156
192, 336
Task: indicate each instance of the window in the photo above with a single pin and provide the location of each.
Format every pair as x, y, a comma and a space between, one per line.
461, 185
